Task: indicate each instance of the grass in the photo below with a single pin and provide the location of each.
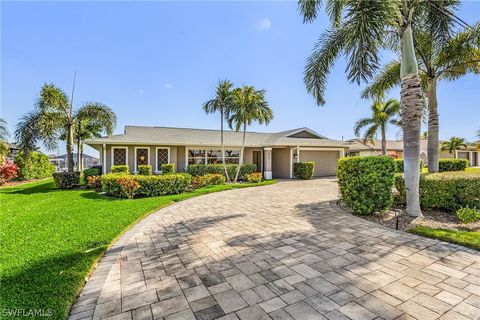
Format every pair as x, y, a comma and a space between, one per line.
469, 239
50, 239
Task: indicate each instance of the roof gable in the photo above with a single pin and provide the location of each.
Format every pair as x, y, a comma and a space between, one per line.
303, 133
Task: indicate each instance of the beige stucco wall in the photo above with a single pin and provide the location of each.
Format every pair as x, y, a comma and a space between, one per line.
180, 164
131, 156
446, 155
325, 161
281, 163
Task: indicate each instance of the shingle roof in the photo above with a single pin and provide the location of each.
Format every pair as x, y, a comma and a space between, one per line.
396, 145
207, 137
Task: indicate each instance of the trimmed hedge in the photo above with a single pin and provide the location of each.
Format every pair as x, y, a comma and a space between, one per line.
120, 169
145, 170
445, 191
168, 168
90, 172
150, 186
399, 165
35, 165
445, 165
66, 180
203, 169
303, 170
366, 183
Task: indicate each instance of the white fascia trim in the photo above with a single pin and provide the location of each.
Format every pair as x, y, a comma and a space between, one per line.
135, 158
156, 157
309, 131
113, 151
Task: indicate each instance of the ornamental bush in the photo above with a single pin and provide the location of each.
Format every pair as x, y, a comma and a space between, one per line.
120, 169
150, 186
255, 177
33, 165
399, 165
127, 187
8, 171
94, 182
145, 170
445, 191
366, 183
303, 170
212, 179
90, 172
468, 215
168, 168
452, 165
66, 180
203, 169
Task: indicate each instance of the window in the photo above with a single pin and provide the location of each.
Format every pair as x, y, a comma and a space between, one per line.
141, 157
163, 157
212, 156
119, 156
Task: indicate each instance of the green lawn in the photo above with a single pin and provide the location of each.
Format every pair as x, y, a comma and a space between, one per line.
469, 239
50, 239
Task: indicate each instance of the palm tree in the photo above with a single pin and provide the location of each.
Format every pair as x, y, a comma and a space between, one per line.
453, 144
248, 105
359, 30
4, 134
443, 57
382, 115
222, 101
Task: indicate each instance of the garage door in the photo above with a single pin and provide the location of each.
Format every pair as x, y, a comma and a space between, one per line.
325, 161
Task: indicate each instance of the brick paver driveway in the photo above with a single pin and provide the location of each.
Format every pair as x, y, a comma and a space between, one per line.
282, 251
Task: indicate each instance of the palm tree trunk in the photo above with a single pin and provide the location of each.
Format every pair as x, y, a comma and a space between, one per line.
240, 162
79, 155
433, 146
384, 141
223, 147
411, 103
70, 148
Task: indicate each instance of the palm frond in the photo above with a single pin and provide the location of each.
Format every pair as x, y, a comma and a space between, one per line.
27, 132
386, 79
309, 9
4, 134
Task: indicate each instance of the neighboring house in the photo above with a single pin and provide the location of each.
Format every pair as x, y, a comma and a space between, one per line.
13, 150
273, 153
395, 149
60, 162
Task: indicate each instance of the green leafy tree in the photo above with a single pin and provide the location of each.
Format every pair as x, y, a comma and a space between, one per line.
220, 103
453, 144
248, 105
359, 31
383, 114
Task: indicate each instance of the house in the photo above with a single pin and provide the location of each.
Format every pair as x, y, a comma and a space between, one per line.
273, 153
12, 151
357, 147
60, 162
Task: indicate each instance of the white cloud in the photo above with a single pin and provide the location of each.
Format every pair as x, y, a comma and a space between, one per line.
141, 91
264, 24
168, 86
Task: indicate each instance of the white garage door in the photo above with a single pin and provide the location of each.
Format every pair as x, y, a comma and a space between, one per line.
325, 161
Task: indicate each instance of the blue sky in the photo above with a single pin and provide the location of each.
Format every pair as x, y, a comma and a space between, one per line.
155, 63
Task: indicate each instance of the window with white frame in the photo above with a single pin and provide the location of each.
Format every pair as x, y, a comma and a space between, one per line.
119, 156
141, 156
212, 156
162, 157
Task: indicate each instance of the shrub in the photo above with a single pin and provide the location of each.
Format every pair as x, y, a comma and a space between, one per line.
303, 170
468, 215
145, 170
452, 165
203, 169
446, 191
399, 165
66, 180
120, 169
168, 168
366, 183
212, 178
94, 182
8, 171
90, 172
255, 177
150, 186
196, 182
127, 187
33, 165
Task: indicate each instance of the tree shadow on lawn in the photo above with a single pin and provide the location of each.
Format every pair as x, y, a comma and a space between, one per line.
44, 187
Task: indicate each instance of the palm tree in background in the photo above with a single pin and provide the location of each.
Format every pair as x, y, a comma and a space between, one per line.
453, 144
383, 114
4, 135
222, 101
248, 105
442, 57
359, 30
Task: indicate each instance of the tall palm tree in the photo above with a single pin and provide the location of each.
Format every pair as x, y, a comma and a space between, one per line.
382, 115
4, 134
359, 30
453, 144
91, 121
248, 105
222, 101
444, 57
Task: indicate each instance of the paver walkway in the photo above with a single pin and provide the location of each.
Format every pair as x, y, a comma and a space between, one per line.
282, 251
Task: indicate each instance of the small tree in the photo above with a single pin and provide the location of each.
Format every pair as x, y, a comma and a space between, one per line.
453, 144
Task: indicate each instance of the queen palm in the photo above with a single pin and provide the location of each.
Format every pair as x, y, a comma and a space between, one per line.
359, 31
453, 144
221, 102
383, 114
444, 57
248, 105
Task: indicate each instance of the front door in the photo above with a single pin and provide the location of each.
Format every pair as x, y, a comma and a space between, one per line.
257, 160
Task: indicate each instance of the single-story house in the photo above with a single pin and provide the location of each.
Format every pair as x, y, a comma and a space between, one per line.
357, 147
60, 161
273, 153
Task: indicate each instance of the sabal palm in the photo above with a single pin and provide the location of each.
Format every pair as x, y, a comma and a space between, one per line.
453, 144
441, 58
222, 101
249, 105
383, 114
359, 31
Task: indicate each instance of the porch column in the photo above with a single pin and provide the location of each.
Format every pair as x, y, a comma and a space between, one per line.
104, 158
267, 160
470, 158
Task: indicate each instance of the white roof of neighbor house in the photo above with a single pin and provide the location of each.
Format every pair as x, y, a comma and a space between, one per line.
395, 145
206, 137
